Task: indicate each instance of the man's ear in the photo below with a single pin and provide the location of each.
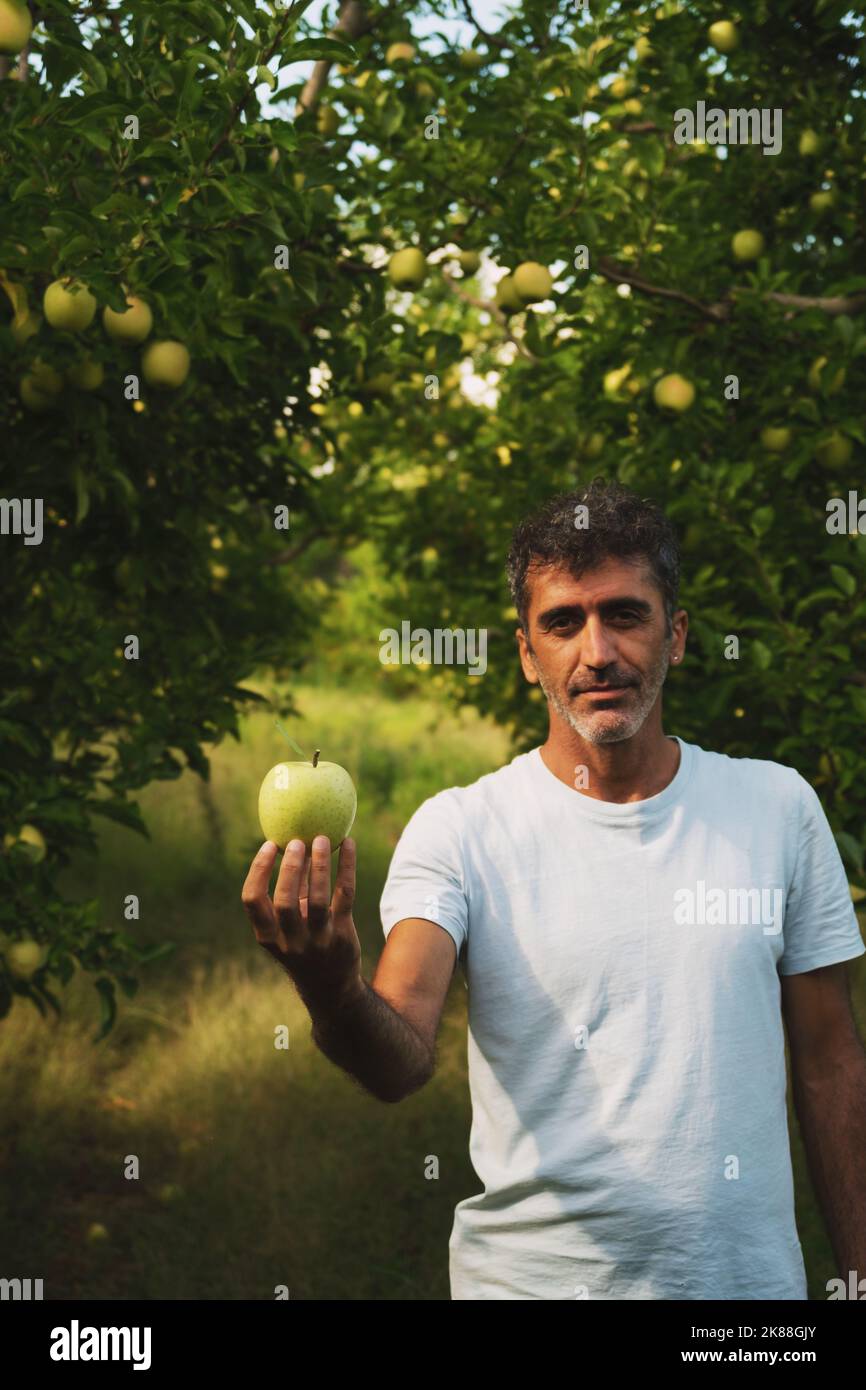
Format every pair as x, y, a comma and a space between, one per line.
526, 657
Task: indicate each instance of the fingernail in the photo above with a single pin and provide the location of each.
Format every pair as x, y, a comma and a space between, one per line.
321, 842
296, 846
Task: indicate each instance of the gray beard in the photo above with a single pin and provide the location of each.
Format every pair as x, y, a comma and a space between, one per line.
610, 725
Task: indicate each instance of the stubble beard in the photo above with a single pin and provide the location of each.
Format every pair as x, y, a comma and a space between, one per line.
609, 725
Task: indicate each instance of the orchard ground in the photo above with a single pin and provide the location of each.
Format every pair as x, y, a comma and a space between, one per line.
280, 1170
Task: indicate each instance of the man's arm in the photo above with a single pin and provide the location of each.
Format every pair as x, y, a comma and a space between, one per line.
384, 1034
828, 1066
387, 1046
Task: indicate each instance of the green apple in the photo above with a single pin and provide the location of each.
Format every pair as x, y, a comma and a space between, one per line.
776, 438
593, 445
399, 53
33, 398
748, 245
425, 90
298, 801
507, 298
39, 387
723, 36
643, 48
835, 451
133, 325
69, 304
816, 373
97, 1234
86, 375
15, 26
810, 143
24, 958
620, 87
822, 201
471, 59
674, 392
470, 261
407, 269
165, 363
327, 121
532, 282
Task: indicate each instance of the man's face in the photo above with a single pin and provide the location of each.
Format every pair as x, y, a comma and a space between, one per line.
606, 629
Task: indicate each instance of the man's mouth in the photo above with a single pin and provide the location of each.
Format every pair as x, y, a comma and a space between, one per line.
608, 692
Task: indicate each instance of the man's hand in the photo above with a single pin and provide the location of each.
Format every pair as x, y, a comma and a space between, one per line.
314, 941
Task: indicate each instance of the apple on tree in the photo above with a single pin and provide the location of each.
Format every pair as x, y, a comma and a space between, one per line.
822, 201
133, 325
15, 25
68, 304
300, 800
398, 54
86, 375
723, 36
776, 438
674, 392
747, 245
165, 363
327, 121
407, 269
532, 282
24, 958
835, 451
506, 296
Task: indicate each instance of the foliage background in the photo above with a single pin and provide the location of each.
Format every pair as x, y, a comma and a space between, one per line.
308, 391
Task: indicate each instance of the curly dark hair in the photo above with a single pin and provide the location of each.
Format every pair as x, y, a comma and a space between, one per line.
621, 524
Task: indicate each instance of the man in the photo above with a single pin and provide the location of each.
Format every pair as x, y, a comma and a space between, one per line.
635, 916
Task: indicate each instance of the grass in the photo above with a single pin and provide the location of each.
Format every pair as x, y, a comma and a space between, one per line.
288, 1174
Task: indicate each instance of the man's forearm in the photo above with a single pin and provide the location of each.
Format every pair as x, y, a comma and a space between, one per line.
832, 1116
370, 1040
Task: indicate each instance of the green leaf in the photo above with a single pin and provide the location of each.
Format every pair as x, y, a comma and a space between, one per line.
265, 75
94, 69
762, 655
107, 1006
846, 581
126, 813
318, 48
392, 113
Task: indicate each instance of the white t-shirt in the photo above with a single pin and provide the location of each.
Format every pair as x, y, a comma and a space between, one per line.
626, 1045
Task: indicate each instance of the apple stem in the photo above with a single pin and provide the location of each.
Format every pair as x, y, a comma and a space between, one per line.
316, 757
290, 740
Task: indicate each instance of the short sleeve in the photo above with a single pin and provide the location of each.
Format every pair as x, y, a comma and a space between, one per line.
426, 877
821, 926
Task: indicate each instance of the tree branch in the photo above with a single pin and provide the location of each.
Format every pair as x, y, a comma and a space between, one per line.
717, 313
352, 23
833, 305
493, 39
240, 105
